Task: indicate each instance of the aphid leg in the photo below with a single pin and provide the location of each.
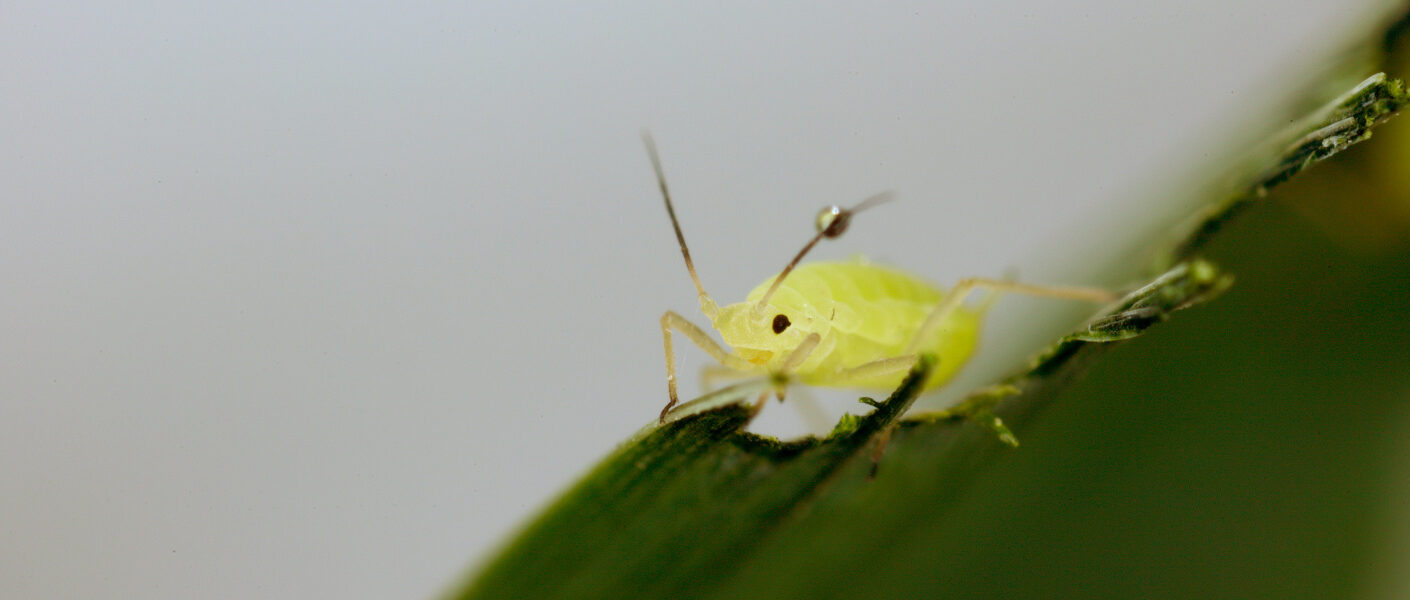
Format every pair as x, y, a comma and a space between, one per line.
758, 405
812, 413
712, 375
883, 439
956, 296
792, 362
800, 353
876, 368
885, 366
670, 320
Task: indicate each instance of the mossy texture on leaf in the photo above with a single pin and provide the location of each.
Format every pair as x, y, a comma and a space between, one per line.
1337, 126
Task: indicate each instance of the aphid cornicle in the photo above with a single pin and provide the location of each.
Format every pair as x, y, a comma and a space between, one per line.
838, 324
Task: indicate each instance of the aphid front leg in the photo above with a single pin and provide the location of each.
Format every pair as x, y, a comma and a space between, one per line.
792, 362
800, 353
957, 294
670, 320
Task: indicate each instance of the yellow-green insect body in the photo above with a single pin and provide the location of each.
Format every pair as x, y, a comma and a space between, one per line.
837, 324
861, 312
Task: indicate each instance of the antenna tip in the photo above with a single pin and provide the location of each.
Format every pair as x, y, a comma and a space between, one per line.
832, 220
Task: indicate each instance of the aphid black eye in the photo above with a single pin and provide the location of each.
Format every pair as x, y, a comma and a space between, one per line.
780, 323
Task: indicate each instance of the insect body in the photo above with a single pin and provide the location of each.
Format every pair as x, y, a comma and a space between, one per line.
859, 312
838, 324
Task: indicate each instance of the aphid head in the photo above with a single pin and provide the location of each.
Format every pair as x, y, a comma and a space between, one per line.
787, 320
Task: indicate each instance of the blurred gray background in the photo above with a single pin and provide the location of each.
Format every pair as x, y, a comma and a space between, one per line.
329, 298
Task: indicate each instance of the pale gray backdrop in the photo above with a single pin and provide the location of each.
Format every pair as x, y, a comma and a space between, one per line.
317, 299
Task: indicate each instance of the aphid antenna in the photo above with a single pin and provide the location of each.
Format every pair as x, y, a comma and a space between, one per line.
832, 223
707, 304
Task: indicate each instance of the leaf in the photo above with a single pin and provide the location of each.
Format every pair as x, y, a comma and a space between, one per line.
932, 505
697, 495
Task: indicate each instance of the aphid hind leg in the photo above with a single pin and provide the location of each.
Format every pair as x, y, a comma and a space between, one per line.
957, 294
670, 320
712, 375
876, 368
809, 410
883, 439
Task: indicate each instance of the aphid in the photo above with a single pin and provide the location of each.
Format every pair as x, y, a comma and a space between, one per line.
838, 324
